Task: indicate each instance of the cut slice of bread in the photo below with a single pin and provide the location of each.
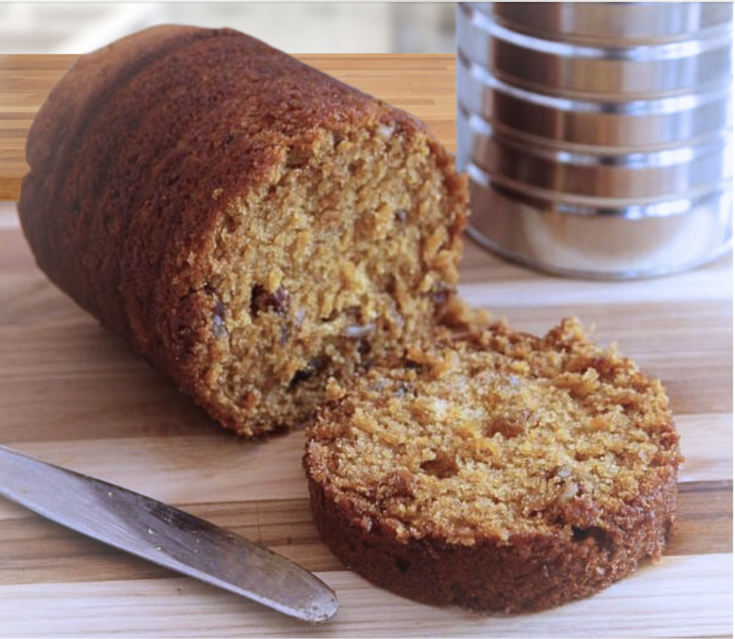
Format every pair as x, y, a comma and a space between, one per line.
498, 471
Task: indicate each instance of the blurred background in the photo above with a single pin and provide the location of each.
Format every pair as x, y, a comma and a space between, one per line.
311, 27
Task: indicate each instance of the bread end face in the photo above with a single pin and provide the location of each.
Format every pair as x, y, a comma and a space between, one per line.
348, 252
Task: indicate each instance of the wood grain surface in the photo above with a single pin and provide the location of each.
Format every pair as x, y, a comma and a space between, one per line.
74, 395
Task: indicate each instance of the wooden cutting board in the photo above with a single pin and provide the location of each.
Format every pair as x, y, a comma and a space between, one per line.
72, 394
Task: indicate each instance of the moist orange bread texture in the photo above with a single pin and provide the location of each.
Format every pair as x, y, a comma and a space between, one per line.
248, 224
502, 471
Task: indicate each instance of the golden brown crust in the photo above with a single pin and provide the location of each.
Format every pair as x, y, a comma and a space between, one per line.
137, 157
501, 472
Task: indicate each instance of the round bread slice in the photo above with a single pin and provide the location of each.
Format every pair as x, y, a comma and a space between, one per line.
247, 223
500, 472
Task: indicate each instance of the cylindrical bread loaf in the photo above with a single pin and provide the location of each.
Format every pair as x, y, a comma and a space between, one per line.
250, 225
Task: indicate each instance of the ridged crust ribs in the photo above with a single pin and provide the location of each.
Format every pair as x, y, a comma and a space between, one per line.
149, 158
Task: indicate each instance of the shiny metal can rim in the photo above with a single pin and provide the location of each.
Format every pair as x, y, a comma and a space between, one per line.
655, 52
601, 156
601, 248
630, 208
602, 276
547, 69
583, 185
586, 179
603, 130
629, 22
602, 104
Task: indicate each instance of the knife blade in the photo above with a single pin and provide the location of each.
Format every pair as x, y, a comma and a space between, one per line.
164, 535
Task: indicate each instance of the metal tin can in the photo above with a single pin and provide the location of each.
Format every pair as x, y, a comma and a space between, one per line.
598, 136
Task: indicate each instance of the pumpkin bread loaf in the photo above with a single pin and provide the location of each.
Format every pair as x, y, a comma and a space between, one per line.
248, 224
500, 472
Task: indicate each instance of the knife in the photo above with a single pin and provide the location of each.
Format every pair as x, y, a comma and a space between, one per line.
164, 535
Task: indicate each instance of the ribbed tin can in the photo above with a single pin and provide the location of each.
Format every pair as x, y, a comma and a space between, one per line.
598, 136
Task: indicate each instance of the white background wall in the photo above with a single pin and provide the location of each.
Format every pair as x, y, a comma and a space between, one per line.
309, 27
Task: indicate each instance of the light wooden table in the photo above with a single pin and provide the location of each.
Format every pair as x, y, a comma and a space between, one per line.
72, 394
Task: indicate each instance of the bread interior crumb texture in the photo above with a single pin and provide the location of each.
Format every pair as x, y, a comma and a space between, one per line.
343, 255
510, 435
